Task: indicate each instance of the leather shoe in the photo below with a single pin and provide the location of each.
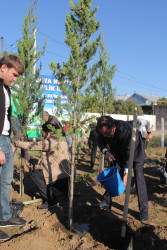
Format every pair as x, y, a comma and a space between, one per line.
143, 216
102, 205
4, 236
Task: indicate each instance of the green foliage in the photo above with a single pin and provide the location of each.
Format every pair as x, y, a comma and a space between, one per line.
101, 76
156, 141
80, 25
125, 108
80, 178
162, 100
59, 106
27, 91
91, 104
56, 132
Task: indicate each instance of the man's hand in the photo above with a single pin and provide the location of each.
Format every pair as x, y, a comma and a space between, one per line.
13, 148
2, 158
125, 179
109, 157
149, 137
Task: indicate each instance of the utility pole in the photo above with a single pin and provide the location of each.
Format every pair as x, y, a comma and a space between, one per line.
35, 45
2, 46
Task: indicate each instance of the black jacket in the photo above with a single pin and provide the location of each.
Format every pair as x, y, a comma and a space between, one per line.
2, 106
119, 144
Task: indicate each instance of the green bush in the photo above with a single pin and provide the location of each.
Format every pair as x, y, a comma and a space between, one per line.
156, 141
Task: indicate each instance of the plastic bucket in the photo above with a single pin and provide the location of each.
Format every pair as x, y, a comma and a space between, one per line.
112, 182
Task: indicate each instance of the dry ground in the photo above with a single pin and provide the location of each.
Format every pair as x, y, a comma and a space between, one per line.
94, 228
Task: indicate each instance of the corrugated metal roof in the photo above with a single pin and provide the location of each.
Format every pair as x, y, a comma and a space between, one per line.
121, 97
143, 100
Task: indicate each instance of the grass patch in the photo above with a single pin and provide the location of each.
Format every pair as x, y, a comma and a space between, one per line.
156, 151
156, 141
80, 178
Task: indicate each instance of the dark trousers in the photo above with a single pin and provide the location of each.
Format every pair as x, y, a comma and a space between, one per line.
46, 191
93, 153
141, 187
93, 148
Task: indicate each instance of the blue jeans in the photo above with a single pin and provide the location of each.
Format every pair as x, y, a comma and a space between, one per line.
6, 177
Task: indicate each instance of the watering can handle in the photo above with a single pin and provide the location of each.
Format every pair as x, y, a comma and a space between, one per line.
113, 163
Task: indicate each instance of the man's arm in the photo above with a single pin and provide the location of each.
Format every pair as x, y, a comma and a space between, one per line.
148, 130
103, 147
38, 146
147, 124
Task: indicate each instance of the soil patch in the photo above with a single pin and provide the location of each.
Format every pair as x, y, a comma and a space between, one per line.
94, 228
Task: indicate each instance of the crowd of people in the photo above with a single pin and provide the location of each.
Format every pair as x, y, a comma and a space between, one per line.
112, 136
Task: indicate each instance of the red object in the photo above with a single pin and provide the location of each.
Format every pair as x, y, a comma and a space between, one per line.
65, 128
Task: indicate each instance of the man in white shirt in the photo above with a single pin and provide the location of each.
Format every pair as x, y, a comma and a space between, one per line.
10, 68
144, 126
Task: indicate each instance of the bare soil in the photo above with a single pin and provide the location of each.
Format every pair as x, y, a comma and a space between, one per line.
93, 228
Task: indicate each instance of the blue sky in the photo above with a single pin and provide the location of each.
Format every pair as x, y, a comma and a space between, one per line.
135, 34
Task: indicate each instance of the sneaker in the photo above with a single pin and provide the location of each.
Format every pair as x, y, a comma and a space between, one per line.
163, 180
13, 222
102, 205
4, 236
163, 175
46, 206
161, 171
92, 165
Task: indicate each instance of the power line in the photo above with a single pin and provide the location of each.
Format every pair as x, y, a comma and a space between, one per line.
134, 85
13, 43
10, 46
56, 54
12, 49
126, 77
53, 39
140, 81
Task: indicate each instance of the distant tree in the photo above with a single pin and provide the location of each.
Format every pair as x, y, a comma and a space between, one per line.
80, 25
131, 106
162, 101
27, 91
91, 104
125, 107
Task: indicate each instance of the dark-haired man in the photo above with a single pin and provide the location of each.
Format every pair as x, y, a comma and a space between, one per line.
10, 68
114, 142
